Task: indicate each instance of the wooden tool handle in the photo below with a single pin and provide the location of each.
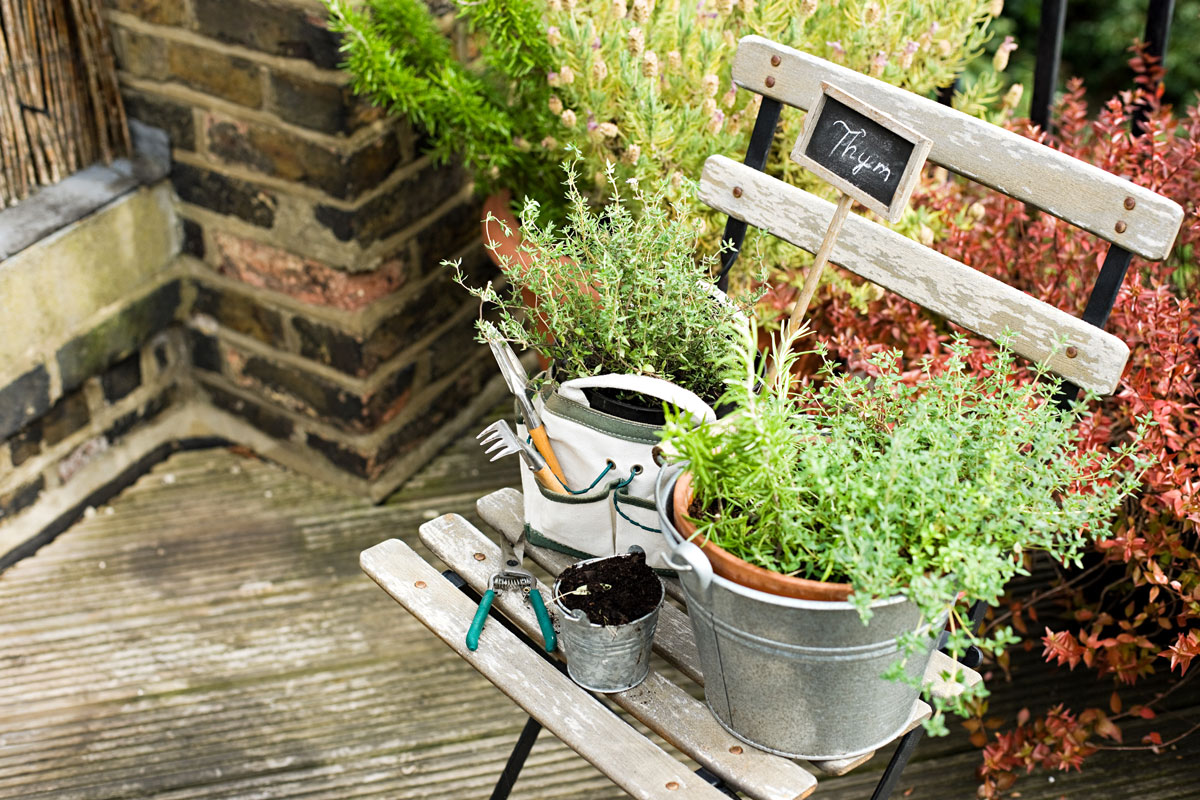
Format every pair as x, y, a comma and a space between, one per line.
542, 442
546, 478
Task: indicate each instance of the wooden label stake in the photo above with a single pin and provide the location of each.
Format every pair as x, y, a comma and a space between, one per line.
866, 154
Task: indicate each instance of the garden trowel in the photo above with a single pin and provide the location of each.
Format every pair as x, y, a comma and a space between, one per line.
518, 384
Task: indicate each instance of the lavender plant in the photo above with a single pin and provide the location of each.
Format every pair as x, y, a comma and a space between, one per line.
642, 85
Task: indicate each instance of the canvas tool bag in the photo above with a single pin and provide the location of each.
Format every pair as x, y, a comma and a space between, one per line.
609, 467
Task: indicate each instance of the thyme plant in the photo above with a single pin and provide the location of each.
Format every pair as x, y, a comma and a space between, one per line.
923, 490
616, 291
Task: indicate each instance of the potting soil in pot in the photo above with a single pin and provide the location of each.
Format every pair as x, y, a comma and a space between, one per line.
618, 590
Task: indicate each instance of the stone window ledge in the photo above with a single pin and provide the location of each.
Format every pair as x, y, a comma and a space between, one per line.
55, 207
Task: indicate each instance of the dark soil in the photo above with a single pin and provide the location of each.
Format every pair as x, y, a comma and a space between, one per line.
620, 589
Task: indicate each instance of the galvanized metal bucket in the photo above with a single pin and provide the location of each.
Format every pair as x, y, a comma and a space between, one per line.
799, 678
606, 658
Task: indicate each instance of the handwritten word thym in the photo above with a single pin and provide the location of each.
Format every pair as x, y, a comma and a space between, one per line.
848, 150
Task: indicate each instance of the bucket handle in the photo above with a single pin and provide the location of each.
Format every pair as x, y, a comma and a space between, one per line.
681, 555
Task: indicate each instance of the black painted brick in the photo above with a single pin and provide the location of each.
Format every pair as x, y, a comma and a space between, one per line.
315, 395
67, 416
296, 158
343, 457
223, 194
449, 234
206, 353
396, 208
391, 398
26, 398
411, 435
118, 336
265, 420
21, 497
334, 348
280, 30
162, 355
311, 104
121, 426
174, 118
122, 378
158, 404
193, 238
26, 444
454, 347
240, 313
353, 356
436, 300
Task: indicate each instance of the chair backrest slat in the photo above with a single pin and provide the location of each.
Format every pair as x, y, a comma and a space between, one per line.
935, 281
1104, 204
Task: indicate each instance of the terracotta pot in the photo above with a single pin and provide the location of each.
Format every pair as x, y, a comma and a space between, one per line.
732, 568
508, 247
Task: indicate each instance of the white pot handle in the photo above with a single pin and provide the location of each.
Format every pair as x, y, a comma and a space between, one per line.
643, 384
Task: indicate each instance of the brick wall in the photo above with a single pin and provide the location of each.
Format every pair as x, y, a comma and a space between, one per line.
312, 232
93, 349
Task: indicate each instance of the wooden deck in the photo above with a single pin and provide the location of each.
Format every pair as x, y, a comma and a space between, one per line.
209, 634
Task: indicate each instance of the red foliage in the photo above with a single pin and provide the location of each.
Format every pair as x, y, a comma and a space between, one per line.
1141, 611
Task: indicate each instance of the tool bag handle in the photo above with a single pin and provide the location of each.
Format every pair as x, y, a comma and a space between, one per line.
643, 384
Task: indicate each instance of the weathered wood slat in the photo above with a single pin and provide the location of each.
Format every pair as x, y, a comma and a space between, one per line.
1073, 190
563, 708
657, 703
935, 281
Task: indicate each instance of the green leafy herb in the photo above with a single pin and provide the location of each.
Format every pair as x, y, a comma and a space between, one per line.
923, 490
617, 292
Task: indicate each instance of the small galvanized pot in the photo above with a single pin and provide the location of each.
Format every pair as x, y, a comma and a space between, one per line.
606, 658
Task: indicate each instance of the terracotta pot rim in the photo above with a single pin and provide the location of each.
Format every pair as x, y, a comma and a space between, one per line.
740, 571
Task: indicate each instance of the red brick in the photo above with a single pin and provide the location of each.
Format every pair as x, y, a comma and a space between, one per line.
305, 279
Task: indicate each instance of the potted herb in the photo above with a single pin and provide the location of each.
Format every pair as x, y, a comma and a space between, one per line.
909, 496
617, 292
631, 320
608, 610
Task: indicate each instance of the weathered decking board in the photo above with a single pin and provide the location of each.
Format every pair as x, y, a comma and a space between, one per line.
230, 646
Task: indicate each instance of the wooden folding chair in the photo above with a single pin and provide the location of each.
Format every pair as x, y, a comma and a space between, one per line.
1133, 219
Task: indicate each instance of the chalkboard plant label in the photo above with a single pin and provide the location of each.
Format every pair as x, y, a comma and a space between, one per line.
861, 151
864, 153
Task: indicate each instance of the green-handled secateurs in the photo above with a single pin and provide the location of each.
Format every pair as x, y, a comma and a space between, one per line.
512, 576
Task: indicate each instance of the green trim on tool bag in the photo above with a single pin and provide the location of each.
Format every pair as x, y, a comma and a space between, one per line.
634, 500
581, 499
624, 429
538, 540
